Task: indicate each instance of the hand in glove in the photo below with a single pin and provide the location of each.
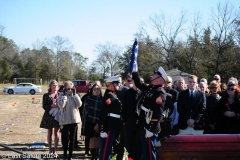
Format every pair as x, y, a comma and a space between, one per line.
148, 134
103, 135
158, 144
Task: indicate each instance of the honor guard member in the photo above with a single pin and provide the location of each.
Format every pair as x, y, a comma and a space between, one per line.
151, 111
110, 119
130, 116
118, 146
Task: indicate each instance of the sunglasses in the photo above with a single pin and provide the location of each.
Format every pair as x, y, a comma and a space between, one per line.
216, 79
96, 89
231, 89
129, 80
69, 89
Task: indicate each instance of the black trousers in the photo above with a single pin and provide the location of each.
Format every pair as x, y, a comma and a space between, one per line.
68, 137
76, 140
132, 140
89, 132
118, 146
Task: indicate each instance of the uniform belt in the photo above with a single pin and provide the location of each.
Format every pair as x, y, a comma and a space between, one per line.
145, 109
114, 115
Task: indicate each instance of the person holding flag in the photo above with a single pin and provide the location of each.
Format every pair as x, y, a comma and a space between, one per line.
150, 107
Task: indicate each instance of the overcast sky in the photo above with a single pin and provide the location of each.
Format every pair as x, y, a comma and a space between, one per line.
87, 23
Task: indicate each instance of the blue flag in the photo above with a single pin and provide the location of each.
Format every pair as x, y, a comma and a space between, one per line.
133, 58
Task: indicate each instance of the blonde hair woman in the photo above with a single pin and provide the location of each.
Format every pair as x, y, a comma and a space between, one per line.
48, 122
69, 103
212, 99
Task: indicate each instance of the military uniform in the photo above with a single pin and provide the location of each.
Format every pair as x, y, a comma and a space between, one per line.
118, 147
130, 117
150, 112
110, 123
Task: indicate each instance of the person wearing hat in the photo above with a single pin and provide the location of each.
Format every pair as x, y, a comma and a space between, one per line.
110, 121
118, 146
151, 106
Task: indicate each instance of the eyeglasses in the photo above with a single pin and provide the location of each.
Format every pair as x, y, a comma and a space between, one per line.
69, 89
129, 80
231, 89
96, 89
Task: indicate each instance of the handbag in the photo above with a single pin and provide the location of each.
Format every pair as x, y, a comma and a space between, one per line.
94, 142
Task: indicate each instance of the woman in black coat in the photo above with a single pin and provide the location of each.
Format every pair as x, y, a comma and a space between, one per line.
212, 99
228, 111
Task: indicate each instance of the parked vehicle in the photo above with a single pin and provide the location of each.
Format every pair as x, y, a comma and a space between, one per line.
81, 85
23, 88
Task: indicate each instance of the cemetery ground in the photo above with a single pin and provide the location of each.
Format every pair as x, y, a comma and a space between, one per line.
20, 117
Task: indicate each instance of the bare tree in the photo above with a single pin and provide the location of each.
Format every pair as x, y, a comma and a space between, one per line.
101, 61
168, 31
111, 54
58, 45
1, 29
192, 45
36, 53
224, 26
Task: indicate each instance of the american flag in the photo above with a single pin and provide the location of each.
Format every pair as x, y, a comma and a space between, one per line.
133, 58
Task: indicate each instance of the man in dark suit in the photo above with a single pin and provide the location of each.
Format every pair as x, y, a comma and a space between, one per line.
191, 106
168, 88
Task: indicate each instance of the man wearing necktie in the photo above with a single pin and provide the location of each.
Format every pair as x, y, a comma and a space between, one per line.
191, 106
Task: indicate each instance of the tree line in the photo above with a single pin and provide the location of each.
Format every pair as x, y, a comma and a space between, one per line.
181, 43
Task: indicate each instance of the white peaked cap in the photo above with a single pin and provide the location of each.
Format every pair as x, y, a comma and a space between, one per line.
113, 79
163, 73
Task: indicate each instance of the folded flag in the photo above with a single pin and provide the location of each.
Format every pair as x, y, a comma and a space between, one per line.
133, 58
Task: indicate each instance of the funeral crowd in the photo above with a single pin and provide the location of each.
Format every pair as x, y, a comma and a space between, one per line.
135, 117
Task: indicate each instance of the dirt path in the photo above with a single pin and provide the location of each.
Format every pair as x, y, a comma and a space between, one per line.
20, 117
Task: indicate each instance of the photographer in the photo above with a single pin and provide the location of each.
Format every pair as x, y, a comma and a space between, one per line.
69, 102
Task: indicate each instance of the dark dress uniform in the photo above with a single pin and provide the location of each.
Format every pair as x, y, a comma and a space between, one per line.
130, 118
118, 147
152, 104
110, 122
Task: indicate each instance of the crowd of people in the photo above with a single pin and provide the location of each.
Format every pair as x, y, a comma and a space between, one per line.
137, 116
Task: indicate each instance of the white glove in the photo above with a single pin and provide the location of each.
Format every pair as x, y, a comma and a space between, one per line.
148, 134
103, 135
158, 144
